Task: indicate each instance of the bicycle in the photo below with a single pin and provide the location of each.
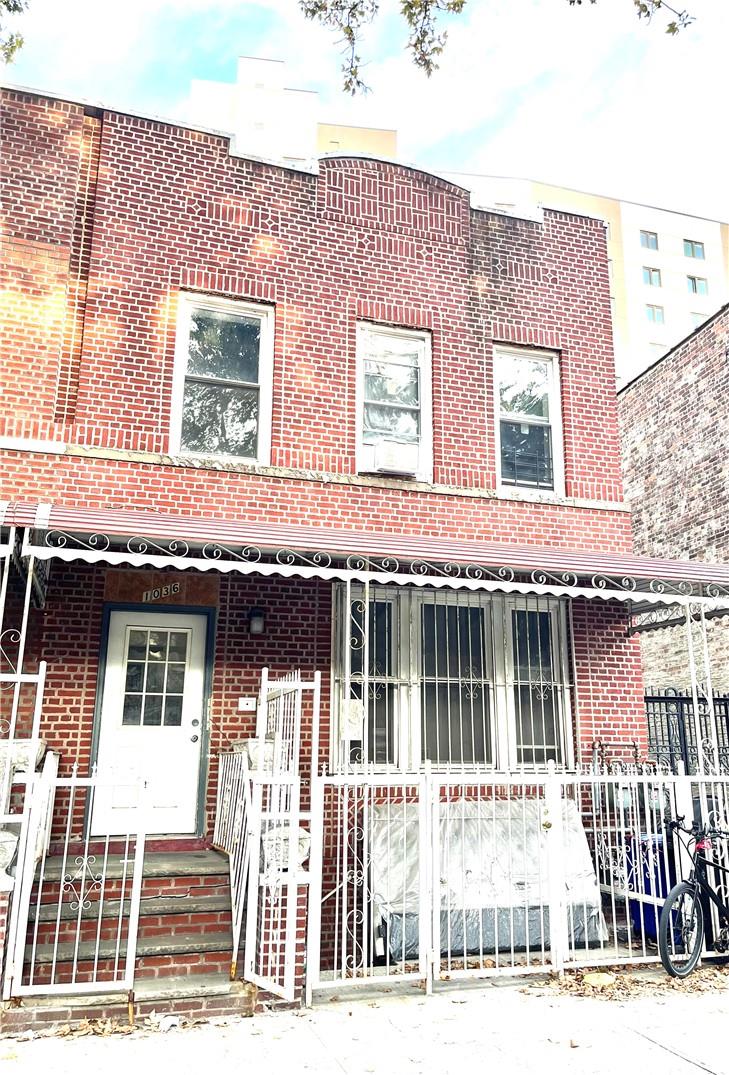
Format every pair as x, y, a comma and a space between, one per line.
681, 925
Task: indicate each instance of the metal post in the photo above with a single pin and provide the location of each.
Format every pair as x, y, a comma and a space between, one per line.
553, 826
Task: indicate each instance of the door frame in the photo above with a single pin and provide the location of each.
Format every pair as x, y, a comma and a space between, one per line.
211, 615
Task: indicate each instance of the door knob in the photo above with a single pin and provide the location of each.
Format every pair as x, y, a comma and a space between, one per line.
194, 738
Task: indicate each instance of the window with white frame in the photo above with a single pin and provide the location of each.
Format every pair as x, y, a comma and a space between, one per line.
451, 678
655, 314
394, 418
649, 240
223, 375
529, 428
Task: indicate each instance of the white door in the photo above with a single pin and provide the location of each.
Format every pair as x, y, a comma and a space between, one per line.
151, 723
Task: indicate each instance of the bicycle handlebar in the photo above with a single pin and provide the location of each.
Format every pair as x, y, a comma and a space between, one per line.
676, 825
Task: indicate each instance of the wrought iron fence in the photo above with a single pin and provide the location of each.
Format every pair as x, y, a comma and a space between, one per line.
674, 734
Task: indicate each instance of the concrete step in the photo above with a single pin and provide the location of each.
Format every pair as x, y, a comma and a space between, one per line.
149, 906
178, 944
156, 864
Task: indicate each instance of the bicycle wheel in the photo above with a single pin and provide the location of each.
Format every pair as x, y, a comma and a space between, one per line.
681, 930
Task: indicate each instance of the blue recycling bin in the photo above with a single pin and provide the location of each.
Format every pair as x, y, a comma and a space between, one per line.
651, 873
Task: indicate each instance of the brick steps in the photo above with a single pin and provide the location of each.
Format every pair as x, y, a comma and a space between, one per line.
184, 920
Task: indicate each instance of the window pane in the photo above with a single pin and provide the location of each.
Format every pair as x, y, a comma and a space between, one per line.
532, 640
173, 712
524, 386
152, 709
526, 455
379, 420
392, 384
178, 646
137, 645
453, 642
380, 639
535, 687
536, 725
156, 678
175, 678
224, 345
401, 349
220, 420
380, 728
135, 676
455, 723
132, 712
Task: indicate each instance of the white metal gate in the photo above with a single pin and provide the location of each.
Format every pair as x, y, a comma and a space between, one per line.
74, 915
259, 826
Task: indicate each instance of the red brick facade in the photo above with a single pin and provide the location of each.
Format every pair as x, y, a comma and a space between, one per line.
109, 217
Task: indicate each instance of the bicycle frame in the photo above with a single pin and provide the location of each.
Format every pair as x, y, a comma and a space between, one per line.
700, 879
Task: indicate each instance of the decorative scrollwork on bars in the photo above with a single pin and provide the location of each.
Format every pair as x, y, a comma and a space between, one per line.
606, 582
289, 558
715, 589
82, 883
59, 539
141, 545
9, 637
544, 578
213, 550
681, 589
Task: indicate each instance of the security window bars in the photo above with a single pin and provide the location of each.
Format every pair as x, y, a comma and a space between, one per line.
697, 285
223, 378
527, 400
655, 314
652, 277
394, 409
156, 662
692, 249
649, 240
449, 678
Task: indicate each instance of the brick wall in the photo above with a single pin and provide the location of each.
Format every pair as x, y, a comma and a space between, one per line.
172, 210
673, 421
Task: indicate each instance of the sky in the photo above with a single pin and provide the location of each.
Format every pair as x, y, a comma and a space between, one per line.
588, 97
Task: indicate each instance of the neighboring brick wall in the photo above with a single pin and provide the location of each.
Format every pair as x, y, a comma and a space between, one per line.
673, 421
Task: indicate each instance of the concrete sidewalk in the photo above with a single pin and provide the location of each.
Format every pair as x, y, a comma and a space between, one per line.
507, 1027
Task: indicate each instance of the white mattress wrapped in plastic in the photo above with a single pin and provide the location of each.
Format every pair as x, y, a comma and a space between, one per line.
494, 861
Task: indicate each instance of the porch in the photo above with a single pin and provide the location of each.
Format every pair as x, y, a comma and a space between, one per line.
456, 695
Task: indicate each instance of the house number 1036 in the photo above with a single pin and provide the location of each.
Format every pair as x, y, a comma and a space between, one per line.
161, 591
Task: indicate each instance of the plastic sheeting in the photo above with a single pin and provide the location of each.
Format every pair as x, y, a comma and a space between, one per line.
493, 877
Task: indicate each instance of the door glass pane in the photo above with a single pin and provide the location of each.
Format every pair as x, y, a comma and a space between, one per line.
154, 685
132, 711
220, 420
224, 346
152, 709
381, 695
536, 687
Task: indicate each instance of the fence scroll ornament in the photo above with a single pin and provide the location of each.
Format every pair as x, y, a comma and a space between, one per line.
82, 883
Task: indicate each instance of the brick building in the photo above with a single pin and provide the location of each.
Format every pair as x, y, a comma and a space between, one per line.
672, 419
254, 417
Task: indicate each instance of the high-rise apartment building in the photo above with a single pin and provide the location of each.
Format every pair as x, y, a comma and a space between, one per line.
269, 119
669, 271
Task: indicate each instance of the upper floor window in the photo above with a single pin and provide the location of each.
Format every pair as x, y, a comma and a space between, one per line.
652, 277
697, 285
697, 319
394, 419
529, 431
692, 249
655, 314
649, 240
223, 373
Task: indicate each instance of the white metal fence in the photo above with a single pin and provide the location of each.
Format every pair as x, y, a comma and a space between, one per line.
436, 877
75, 914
